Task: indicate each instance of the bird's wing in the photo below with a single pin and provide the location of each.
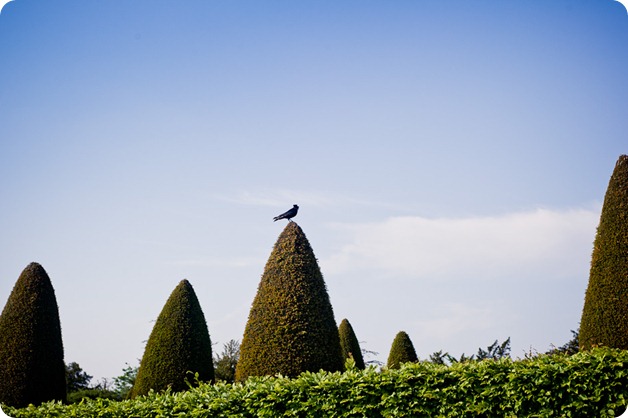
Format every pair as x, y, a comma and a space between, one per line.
282, 216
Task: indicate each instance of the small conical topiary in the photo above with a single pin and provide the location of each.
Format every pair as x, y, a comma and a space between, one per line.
349, 345
291, 327
32, 369
178, 347
402, 351
605, 313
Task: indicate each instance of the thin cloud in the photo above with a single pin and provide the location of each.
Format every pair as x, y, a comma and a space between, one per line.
540, 242
454, 319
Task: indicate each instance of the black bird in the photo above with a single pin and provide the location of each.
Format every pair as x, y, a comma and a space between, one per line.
288, 215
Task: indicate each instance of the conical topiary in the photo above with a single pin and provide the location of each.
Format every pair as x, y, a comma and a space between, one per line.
178, 347
605, 314
349, 345
32, 369
402, 351
291, 327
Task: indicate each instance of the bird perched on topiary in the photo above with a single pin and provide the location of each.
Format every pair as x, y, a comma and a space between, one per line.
288, 214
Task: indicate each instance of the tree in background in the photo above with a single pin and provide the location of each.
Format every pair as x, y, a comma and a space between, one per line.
571, 347
32, 369
79, 388
226, 362
76, 378
401, 351
122, 384
291, 327
605, 313
440, 357
494, 351
178, 347
349, 345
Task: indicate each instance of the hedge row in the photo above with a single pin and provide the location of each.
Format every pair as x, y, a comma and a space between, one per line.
588, 384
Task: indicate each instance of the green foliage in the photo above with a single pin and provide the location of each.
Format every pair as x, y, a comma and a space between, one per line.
76, 379
605, 313
225, 363
122, 384
440, 357
401, 351
32, 369
495, 351
178, 347
91, 393
588, 384
349, 345
291, 326
570, 347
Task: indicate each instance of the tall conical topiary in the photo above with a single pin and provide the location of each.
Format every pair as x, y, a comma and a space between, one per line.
291, 327
349, 345
402, 351
605, 314
32, 369
178, 347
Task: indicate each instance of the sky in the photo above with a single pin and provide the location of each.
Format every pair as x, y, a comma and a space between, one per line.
450, 160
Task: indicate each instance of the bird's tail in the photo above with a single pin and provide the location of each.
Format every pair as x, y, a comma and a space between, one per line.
276, 218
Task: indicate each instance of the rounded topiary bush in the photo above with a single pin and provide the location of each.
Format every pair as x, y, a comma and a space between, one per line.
178, 347
291, 327
605, 314
349, 345
32, 369
401, 351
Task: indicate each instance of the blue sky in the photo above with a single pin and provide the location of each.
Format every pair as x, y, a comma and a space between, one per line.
450, 159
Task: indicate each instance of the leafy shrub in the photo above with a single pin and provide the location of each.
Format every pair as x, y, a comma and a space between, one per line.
32, 369
178, 347
349, 345
605, 313
91, 393
401, 351
587, 384
291, 326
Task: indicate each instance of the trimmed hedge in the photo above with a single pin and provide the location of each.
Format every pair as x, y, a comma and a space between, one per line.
291, 327
401, 351
178, 347
605, 313
349, 344
32, 369
587, 384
